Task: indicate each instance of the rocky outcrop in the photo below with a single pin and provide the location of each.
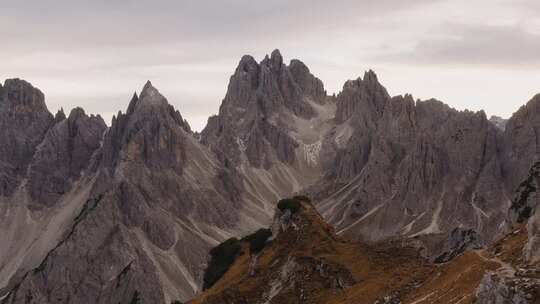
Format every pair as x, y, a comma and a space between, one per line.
150, 131
365, 98
254, 116
422, 166
521, 142
522, 171
43, 177
525, 201
63, 155
499, 290
532, 248
525, 210
95, 263
24, 120
459, 242
499, 122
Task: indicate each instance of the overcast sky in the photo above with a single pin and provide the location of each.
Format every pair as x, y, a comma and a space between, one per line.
471, 54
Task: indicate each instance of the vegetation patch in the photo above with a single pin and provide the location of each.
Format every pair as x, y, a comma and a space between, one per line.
302, 198
136, 299
290, 204
258, 240
221, 258
525, 190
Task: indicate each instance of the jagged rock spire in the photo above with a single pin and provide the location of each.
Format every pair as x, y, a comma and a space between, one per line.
362, 96
66, 150
59, 116
151, 131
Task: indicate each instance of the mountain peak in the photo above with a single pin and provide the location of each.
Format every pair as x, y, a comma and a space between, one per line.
20, 92
151, 96
60, 115
24, 120
148, 85
247, 61
274, 61
370, 76
276, 57
76, 112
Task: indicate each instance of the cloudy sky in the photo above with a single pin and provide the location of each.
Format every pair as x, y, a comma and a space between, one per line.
481, 54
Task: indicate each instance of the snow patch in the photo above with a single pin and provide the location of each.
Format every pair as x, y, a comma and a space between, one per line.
311, 153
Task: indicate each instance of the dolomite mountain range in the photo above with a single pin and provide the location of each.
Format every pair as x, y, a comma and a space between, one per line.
91, 213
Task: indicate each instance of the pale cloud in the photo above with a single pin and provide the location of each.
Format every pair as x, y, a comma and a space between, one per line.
475, 44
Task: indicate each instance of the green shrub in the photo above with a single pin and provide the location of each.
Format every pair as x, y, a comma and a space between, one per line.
136, 299
302, 198
257, 240
222, 257
289, 204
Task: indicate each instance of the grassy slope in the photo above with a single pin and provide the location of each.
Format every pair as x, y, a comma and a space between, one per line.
377, 270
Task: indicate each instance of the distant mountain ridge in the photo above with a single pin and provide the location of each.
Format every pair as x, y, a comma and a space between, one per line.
130, 211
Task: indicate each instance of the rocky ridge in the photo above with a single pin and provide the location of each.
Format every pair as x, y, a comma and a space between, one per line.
306, 262
154, 201
131, 210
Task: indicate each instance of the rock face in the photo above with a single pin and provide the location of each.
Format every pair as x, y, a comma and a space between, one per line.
63, 155
523, 172
159, 200
130, 211
494, 290
421, 166
42, 159
253, 119
499, 122
24, 119
459, 241
270, 128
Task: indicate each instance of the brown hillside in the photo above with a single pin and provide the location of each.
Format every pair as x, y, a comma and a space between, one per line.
308, 263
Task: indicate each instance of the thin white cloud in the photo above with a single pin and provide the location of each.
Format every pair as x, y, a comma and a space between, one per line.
478, 44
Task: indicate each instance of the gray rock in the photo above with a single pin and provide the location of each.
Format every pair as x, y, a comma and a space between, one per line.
522, 172
160, 201
24, 120
413, 168
497, 290
63, 155
458, 242
499, 122
258, 98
